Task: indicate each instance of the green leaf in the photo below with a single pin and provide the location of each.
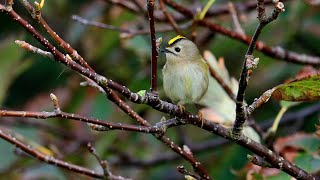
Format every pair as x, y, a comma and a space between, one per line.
101, 108
304, 89
280, 176
309, 143
309, 163
142, 92
257, 176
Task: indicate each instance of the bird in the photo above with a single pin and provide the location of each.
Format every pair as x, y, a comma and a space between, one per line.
185, 73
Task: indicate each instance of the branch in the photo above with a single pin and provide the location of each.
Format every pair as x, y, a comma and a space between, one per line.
73, 53
210, 145
182, 170
156, 103
126, 33
235, 20
241, 112
104, 165
269, 156
223, 84
106, 85
106, 126
276, 52
212, 12
100, 25
154, 52
49, 159
198, 148
258, 161
170, 18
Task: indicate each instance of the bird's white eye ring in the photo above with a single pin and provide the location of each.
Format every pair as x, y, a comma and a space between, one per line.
177, 49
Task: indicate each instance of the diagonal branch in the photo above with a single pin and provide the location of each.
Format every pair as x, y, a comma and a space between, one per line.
49, 159
153, 101
106, 85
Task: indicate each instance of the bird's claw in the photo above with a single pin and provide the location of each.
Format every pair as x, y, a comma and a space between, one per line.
201, 118
181, 108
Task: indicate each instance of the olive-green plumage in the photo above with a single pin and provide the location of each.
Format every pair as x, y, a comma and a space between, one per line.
185, 74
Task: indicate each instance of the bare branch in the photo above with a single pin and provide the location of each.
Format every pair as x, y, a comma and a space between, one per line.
241, 112
276, 52
49, 159
154, 52
104, 164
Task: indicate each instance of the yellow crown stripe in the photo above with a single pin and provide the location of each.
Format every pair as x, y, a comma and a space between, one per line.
173, 40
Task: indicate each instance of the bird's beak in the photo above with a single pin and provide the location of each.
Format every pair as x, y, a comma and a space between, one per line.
165, 50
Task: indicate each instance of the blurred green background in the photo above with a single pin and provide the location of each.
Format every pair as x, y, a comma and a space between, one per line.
26, 80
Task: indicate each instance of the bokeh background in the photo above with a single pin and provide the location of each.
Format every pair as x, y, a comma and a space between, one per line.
27, 79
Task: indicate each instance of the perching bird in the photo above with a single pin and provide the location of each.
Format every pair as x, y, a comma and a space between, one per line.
185, 74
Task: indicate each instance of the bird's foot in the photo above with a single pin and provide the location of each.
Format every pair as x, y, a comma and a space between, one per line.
201, 118
181, 108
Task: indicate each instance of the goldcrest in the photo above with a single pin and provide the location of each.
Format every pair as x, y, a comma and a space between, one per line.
185, 74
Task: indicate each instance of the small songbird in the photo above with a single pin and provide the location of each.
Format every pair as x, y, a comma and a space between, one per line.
185, 74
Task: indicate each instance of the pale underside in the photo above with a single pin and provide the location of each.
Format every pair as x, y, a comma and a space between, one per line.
184, 85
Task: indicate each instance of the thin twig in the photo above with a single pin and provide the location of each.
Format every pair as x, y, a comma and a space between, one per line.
8, 4
104, 83
261, 100
99, 24
108, 126
258, 161
34, 49
276, 52
49, 159
138, 5
210, 145
236, 24
73, 53
241, 112
156, 103
154, 52
213, 11
223, 84
182, 170
104, 165
125, 4
127, 33
170, 18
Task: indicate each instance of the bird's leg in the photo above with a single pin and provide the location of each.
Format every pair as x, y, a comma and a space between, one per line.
181, 107
200, 114
201, 118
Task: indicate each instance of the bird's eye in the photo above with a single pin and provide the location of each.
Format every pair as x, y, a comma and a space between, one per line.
177, 49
